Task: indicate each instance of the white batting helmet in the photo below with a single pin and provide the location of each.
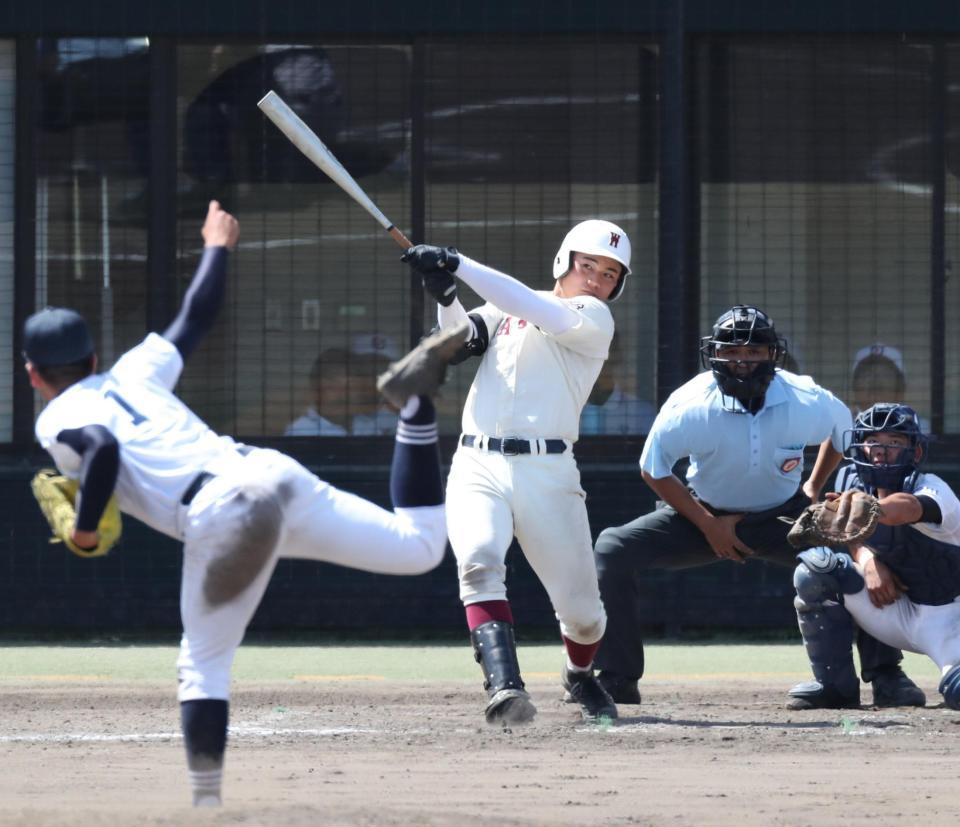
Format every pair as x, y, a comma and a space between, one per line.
596, 238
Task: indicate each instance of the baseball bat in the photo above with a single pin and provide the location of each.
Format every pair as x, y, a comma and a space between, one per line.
308, 142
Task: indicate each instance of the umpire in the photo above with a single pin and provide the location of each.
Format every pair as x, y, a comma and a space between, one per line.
744, 426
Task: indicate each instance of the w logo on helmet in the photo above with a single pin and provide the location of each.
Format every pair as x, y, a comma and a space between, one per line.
614, 239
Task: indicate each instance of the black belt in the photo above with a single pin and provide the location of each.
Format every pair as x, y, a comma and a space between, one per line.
204, 477
511, 446
193, 489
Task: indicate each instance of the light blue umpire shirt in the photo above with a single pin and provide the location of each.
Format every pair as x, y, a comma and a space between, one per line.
738, 461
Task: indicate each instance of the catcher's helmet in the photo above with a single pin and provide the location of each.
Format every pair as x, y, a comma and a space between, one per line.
743, 325
888, 418
596, 238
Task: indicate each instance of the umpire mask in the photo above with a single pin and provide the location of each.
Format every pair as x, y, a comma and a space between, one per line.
745, 381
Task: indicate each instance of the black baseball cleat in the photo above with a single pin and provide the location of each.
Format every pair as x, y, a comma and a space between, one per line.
891, 687
583, 688
510, 706
622, 689
423, 369
814, 695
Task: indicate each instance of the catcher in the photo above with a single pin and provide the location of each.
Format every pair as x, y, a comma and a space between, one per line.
237, 509
899, 577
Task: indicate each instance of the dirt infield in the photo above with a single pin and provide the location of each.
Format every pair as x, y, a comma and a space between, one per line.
380, 753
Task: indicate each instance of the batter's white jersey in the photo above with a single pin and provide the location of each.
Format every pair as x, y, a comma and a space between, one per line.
533, 384
163, 444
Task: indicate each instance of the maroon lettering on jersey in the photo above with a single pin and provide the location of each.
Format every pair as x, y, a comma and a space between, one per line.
614, 239
504, 329
790, 464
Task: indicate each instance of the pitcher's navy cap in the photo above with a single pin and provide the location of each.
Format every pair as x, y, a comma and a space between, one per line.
56, 336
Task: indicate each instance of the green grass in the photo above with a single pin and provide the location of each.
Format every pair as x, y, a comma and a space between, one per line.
257, 662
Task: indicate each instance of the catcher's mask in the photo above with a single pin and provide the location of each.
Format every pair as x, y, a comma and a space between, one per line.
898, 472
743, 380
595, 238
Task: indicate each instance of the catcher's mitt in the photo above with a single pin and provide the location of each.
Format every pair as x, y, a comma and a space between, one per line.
56, 495
851, 518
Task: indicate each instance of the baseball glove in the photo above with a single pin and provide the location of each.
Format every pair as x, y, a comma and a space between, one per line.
850, 518
56, 495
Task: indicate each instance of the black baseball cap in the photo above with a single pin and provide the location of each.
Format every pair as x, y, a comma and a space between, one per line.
56, 336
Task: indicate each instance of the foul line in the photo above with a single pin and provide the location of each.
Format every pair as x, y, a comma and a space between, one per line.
240, 731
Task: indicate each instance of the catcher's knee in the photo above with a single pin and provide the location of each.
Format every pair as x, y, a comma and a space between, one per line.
825, 575
950, 688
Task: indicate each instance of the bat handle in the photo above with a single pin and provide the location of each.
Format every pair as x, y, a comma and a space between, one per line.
404, 242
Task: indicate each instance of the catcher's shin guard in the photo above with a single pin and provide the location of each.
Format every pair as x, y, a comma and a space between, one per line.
496, 651
827, 630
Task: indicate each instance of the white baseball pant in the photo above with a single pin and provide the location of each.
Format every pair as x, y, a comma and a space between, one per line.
238, 526
492, 498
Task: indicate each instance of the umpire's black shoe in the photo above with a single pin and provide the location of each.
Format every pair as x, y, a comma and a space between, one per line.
583, 688
620, 688
814, 695
891, 687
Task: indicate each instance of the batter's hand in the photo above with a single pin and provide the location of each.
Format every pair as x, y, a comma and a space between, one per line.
883, 586
220, 229
721, 533
427, 259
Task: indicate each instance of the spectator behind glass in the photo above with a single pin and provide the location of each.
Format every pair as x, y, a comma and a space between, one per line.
614, 407
343, 393
877, 376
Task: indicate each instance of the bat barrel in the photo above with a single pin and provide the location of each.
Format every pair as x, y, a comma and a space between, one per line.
309, 143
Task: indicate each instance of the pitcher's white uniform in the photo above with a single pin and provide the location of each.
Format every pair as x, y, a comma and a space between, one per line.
530, 385
257, 506
928, 630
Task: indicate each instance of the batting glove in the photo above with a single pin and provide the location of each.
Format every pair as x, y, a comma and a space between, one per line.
435, 265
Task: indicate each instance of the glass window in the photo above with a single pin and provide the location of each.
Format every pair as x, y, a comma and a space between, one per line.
523, 140
319, 301
92, 156
815, 203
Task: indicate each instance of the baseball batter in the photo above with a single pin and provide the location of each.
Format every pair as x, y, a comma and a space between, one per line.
236, 509
903, 585
514, 473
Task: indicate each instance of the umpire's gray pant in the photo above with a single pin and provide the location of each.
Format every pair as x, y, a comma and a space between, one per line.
665, 540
